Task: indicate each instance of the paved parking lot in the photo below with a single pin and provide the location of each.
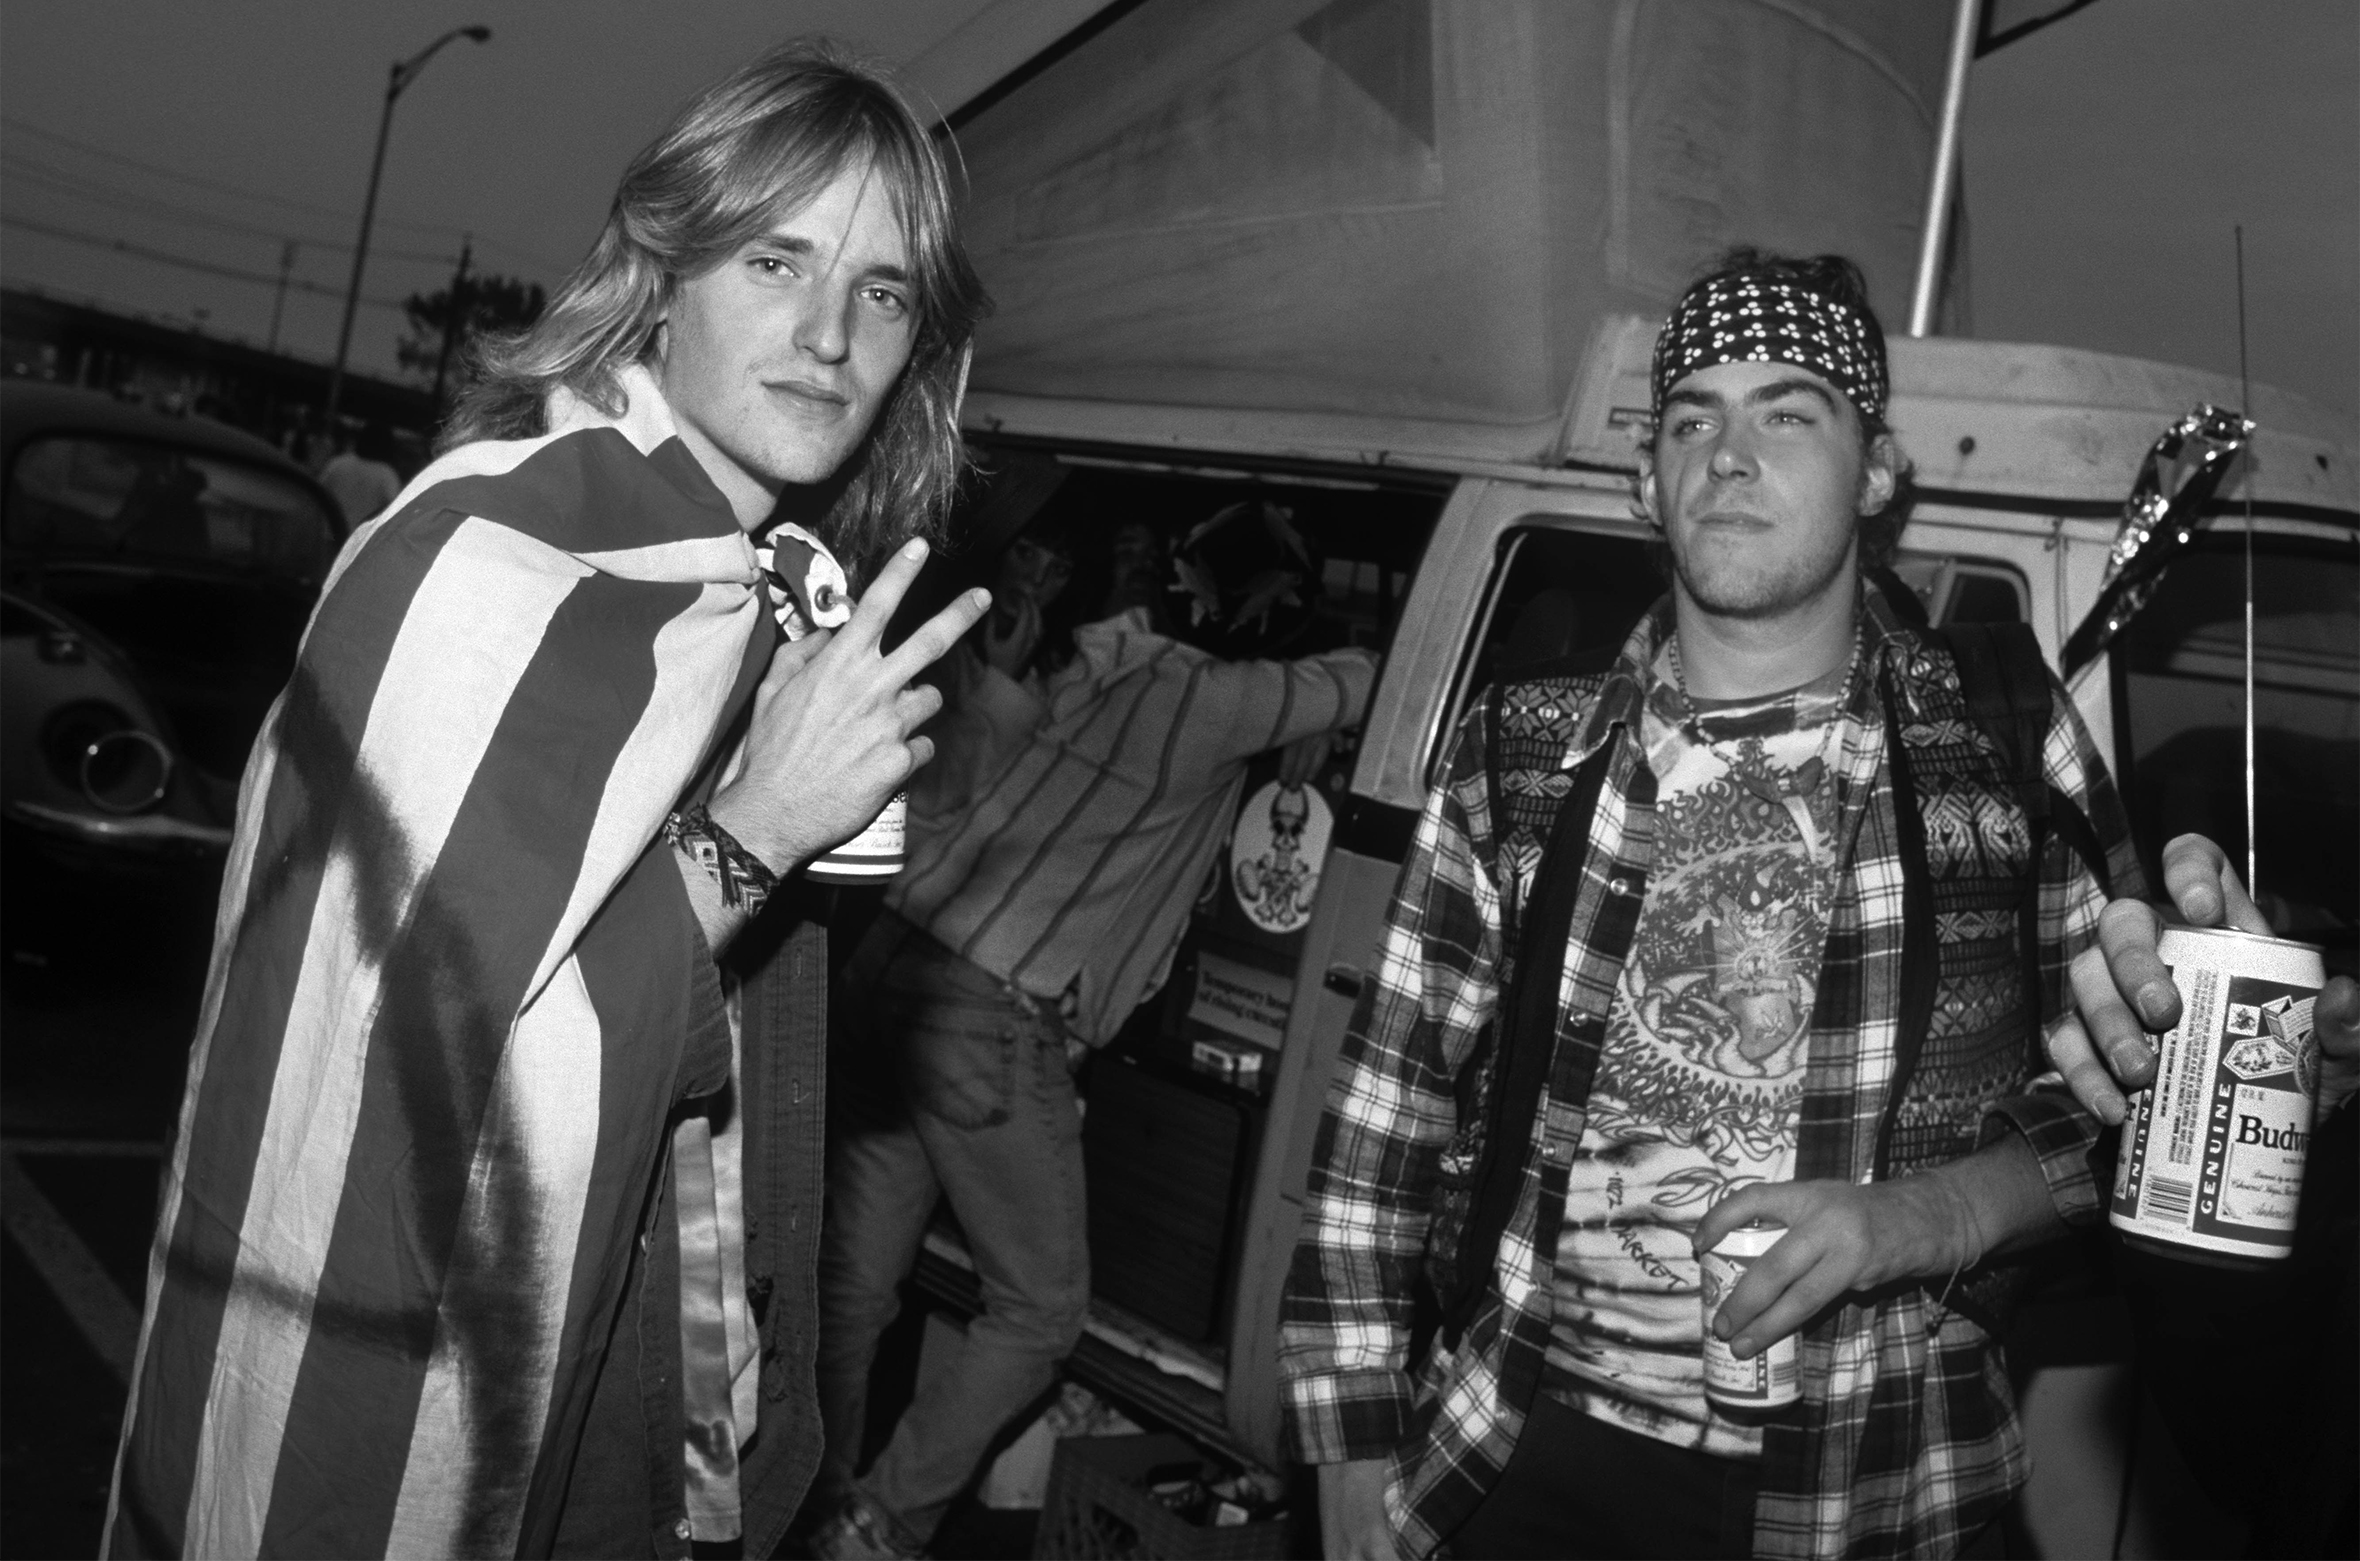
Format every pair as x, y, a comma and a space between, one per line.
97, 998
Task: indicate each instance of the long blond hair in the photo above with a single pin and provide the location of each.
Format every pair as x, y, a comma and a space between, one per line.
764, 141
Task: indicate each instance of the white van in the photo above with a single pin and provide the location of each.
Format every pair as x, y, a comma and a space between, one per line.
1203, 1113
1395, 265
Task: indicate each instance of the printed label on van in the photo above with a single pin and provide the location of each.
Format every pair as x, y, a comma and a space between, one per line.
1241, 1000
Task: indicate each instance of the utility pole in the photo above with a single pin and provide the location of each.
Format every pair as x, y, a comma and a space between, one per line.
403, 73
453, 322
278, 304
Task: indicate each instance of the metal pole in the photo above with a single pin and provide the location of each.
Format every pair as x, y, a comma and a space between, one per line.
2253, 872
401, 75
360, 251
278, 303
1928, 295
454, 322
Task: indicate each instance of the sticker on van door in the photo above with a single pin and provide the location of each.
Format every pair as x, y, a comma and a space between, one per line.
1276, 853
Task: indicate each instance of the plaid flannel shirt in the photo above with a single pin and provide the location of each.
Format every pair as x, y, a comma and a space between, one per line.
1907, 1440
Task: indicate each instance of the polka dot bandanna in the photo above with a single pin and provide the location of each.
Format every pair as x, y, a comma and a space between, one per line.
1757, 317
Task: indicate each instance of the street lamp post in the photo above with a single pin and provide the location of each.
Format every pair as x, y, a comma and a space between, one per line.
404, 72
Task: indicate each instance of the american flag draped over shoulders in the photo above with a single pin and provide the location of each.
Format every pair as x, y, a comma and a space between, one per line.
451, 977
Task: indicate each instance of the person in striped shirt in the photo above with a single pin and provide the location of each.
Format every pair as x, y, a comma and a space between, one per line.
487, 1229
1037, 921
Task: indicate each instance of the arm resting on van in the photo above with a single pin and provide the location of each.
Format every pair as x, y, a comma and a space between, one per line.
1274, 703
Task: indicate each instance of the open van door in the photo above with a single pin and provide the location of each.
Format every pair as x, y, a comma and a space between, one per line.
1515, 571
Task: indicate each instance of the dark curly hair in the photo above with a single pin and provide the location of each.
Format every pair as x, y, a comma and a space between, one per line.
1838, 280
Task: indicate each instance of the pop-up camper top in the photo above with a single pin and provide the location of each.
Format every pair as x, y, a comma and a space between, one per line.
1398, 266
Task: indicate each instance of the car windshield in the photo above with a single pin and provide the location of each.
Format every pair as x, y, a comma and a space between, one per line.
80, 495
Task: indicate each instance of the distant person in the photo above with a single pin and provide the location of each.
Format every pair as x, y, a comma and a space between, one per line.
165, 510
991, 680
1020, 936
362, 487
490, 1224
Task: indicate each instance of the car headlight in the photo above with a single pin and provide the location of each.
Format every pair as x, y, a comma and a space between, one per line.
96, 748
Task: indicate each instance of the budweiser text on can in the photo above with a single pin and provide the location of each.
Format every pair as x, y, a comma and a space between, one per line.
1771, 1379
2212, 1154
873, 855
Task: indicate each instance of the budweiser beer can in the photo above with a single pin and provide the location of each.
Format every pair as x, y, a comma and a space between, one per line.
2212, 1155
1772, 1379
873, 855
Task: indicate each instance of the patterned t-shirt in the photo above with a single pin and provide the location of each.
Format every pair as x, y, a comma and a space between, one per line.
1701, 1076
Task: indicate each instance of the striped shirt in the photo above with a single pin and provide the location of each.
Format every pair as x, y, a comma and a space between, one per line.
1072, 871
451, 989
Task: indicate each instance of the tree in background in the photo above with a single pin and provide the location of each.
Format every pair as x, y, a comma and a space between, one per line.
443, 323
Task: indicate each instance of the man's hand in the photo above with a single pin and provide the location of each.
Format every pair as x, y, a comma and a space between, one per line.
1011, 634
1352, 1525
1300, 760
833, 733
1842, 1237
2122, 990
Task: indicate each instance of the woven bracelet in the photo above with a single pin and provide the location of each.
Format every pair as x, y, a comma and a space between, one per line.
743, 878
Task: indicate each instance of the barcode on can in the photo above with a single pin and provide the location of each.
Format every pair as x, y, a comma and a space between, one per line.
2169, 1198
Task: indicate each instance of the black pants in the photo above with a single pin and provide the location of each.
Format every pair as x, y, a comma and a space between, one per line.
1578, 1487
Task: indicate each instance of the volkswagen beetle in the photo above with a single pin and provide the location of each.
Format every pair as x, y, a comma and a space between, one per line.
155, 577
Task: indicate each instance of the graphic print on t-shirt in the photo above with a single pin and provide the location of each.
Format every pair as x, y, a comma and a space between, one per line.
1701, 1076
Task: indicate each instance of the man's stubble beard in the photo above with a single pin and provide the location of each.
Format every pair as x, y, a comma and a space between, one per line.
1739, 590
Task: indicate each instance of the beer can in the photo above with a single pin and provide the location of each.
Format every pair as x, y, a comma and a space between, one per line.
873, 855
1772, 1379
2211, 1167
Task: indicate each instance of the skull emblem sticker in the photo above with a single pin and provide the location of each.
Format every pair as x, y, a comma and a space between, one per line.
1275, 856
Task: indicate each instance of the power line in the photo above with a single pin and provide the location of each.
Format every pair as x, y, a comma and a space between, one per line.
232, 273
444, 230
26, 127
76, 187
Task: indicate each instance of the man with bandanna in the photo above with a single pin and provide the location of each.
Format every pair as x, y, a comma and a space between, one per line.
489, 1228
1793, 857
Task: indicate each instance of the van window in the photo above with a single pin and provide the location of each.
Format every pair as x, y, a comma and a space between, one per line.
1555, 593
1964, 590
2180, 744
1368, 537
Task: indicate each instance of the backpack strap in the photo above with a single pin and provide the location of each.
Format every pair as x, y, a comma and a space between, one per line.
1921, 969
2005, 682
1526, 1027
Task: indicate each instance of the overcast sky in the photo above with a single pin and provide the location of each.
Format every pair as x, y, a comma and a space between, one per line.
2106, 158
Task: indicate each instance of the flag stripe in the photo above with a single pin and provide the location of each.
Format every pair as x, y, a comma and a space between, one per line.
453, 985
544, 1118
593, 493
430, 717
680, 720
289, 809
643, 1025
417, 1118
686, 706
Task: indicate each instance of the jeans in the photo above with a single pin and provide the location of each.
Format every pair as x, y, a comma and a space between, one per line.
943, 1083
1577, 1487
